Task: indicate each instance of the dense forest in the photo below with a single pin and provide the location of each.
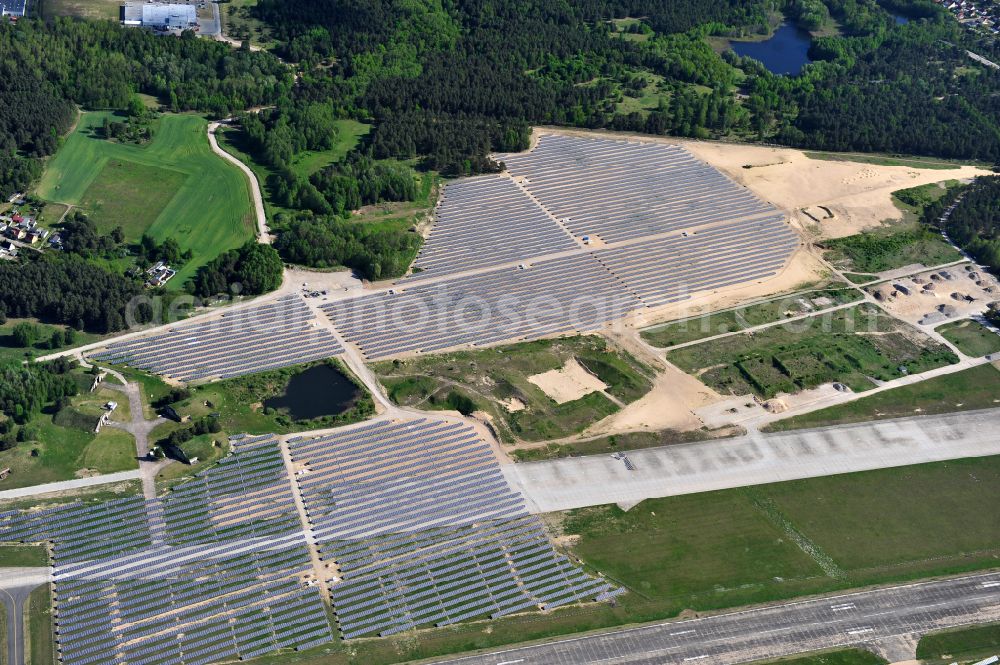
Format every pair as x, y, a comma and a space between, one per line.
974, 224
443, 83
26, 388
372, 251
249, 270
68, 289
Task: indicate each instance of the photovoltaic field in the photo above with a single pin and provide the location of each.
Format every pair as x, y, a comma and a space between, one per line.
244, 341
414, 522
214, 571
509, 261
506, 260
425, 530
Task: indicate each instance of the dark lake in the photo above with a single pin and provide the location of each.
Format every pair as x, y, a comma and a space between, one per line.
785, 52
319, 391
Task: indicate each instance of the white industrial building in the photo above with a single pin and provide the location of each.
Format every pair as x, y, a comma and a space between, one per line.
160, 16
13, 8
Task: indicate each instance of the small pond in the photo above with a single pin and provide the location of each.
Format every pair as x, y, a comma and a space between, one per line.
784, 52
900, 20
319, 391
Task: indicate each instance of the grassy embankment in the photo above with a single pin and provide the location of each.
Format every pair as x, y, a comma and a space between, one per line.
964, 645
63, 444
849, 346
174, 187
741, 318
837, 657
970, 389
495, 380
39, 628
23, 556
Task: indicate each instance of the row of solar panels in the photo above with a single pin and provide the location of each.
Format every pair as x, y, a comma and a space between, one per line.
246, 341
424, 529
570, 294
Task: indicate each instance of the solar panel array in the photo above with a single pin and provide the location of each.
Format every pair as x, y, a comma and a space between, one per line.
487, 221
565, 294
670, 269
243, 341
425, 530
621, 190
213, 571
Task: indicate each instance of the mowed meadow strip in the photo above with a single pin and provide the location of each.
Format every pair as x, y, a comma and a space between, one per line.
174, 186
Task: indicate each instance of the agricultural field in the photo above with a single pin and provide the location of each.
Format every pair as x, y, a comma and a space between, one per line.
975, 388
734, 320
89, 9
971, 337
848, 345
174, 187
961, 644
496, 381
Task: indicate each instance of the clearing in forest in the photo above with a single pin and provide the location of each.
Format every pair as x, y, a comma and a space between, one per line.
174, 187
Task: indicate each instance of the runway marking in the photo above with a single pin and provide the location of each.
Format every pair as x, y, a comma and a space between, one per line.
696, 657
987, 585
859, 631
842, 608
511, 662
684, 632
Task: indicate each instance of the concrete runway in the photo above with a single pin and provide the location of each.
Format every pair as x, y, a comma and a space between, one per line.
887, 621
753, 460
16, 584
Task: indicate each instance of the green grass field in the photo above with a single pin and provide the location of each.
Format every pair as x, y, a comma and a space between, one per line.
719, 549
733, 320
173, 187
111, 198
10, 351
971, 337
66, 445
849, 345
349, 133
840, 657
40, 629
961, 644
23, 556
975, 388
491, 378
89, 9
889, 248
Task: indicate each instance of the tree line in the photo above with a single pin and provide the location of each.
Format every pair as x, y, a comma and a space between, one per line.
974, 224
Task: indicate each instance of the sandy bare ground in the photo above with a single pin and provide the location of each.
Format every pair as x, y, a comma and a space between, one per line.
569, 382
922, 305
668, 405
858, 194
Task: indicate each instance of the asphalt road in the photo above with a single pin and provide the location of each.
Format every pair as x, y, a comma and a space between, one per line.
886, 620
752, 460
